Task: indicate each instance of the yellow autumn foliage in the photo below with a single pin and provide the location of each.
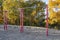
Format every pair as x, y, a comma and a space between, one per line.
53, 15
34, 13
8, 5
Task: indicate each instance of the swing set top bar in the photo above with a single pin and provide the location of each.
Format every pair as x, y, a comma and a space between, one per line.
31, 7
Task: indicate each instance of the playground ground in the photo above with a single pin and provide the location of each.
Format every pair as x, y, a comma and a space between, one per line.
30, 33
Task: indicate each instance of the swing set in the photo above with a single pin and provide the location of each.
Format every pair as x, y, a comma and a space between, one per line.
21, 20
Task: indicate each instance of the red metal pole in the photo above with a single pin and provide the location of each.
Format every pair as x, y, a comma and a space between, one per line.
5, 20
46, 20
21, 19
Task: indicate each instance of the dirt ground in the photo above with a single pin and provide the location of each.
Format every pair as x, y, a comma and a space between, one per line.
30, 33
